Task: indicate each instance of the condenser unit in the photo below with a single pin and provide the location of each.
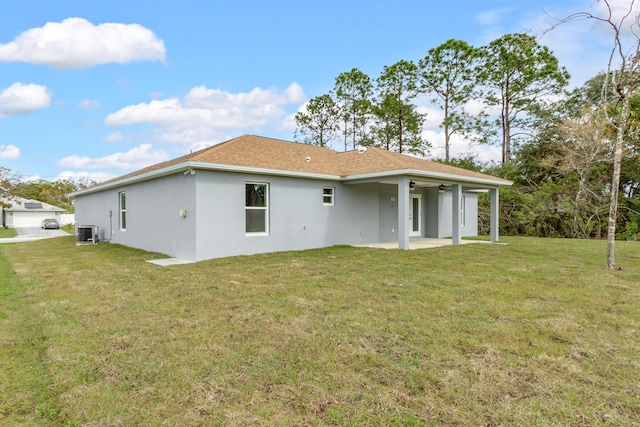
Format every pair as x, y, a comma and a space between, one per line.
88, 234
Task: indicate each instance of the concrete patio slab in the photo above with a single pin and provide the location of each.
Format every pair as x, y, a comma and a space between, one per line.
422, 243
169, 261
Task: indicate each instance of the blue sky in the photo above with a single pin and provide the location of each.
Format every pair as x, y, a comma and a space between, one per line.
98, 89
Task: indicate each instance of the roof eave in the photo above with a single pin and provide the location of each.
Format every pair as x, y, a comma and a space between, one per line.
180, 167
430, 175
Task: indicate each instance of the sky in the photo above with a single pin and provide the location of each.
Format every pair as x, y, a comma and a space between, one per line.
99, 89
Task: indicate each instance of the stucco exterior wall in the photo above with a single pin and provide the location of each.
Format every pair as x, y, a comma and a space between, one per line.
215, 226
152, 215
445, 222
202, 216
298, 219
388, 212
432, 213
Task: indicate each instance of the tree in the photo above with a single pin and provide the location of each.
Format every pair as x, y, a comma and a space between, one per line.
584, 147
8, 181
398, 126
353, 91
398, 123
621, 82
55, 193
447, 73
319, 124
624, 81
518, 74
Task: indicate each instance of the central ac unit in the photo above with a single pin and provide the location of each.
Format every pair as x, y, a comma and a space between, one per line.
88, 234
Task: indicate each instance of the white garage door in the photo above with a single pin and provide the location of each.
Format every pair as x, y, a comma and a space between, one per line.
30, 219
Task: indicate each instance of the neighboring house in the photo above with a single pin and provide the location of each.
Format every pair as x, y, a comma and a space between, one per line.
66, 219
28, 213
254, 195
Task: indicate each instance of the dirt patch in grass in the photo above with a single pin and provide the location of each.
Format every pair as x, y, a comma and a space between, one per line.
537, 332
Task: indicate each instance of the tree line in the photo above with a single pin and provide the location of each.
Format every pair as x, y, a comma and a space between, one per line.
512, 79
55, 193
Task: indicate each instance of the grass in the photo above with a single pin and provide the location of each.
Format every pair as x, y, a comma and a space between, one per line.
7, 233
537, 332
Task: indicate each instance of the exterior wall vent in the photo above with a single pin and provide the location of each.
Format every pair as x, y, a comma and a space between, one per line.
88, 234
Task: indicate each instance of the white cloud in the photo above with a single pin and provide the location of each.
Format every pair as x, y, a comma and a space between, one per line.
203, 112
620, 11
459, 147
9, 152
81, 176
192, 135
114, 137
492, 17
583, 46
577, 44
289, 123
90, 104
77, 43
201, 97
136, 158
20, 99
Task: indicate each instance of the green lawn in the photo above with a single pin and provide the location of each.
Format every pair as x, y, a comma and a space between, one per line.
7, 232
536, 332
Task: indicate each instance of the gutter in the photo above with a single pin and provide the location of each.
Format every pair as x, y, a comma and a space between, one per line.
181, 167
184, 166
430, 175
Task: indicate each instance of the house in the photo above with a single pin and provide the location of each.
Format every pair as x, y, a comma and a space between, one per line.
255, 195
27, 213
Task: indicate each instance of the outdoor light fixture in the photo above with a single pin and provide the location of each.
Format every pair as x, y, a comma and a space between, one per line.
441, 188
412, 184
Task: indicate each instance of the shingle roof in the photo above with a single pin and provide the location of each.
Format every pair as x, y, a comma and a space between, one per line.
250, 151
268, 153
376, 160
19, 204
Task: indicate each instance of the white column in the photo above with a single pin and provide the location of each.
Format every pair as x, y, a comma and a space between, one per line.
403, 213
494, 199
456, 218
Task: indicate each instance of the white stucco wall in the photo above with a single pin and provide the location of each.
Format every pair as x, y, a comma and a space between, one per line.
28, 219
445, 221
297, 217
214, 224
153, 218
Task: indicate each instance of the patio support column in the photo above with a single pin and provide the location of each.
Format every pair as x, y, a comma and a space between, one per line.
403, 213
456, 232
494, 217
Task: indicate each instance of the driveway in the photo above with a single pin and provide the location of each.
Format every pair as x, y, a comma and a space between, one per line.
27, 234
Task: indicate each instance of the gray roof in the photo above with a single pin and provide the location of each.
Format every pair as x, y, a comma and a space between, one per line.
18, 204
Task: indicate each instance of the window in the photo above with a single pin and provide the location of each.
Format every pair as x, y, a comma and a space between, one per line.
123, 210
462, 202
327, 196
256, 208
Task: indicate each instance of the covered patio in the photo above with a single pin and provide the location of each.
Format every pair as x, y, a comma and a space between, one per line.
419, 190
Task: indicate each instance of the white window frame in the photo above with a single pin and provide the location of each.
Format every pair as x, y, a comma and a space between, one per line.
264, 208
122, 208
462, 210
330, 196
